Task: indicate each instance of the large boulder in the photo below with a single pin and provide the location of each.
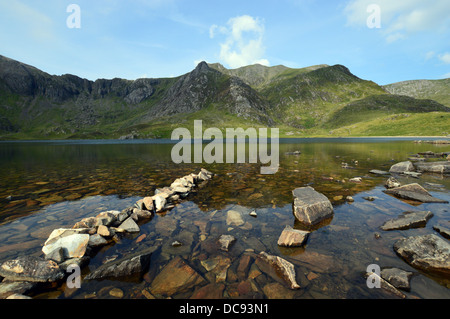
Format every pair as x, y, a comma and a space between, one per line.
429, 253
30, 268
73, 243
408, 220
402, 167
414, 192
310, 206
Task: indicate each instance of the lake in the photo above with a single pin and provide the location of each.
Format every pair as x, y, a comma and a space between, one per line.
46, 185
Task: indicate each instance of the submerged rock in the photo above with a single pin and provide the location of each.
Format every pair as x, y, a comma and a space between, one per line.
226, 241
414, 192
277, 268
310, 206
429, 253
234, 218
408, 220
176, 277
292, 237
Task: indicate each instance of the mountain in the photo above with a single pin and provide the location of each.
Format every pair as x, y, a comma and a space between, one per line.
438, 90
311, 101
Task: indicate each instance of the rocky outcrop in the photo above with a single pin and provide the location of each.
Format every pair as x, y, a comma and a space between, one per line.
310, 206
428, 253
408, 220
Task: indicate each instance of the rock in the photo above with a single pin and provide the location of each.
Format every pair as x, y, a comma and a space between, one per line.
176, 277
148, 204
129, 225
176, 243
253, 214
96, 241
16, 287
217, 266
30, 268
392, 183
311, 207
56, 255
225, 241
133, 264
80, 262
408, 220
443, 230
234, 218
210, 291
18, 296
116, 292
402, 167
277, 268
159, 202
355, 180
103, 231
442, 167
349, 199
292, 237
414, 192
244, 266
378, 172
73, 245
429, 253
386, 285
142, 214
106, 218
275, 290
369, 198
397, 277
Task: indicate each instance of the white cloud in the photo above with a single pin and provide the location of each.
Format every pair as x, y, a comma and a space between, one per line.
446, 76
445, 57
402, 17
243, 43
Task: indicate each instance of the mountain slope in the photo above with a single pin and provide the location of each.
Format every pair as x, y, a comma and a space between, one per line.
376, 106
438, 90
312, 100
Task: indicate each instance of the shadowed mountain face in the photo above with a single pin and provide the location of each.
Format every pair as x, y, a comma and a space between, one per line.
34, 104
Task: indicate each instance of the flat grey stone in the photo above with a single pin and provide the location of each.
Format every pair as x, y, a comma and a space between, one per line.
408, 220
310, 206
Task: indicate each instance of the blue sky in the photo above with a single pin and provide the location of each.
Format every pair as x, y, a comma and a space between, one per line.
394, 41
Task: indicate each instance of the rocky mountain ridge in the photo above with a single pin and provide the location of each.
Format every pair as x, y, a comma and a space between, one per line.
35, 104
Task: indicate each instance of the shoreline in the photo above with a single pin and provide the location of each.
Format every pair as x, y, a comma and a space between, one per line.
281, 138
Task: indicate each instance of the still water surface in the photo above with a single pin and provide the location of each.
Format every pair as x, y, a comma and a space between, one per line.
54, 184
